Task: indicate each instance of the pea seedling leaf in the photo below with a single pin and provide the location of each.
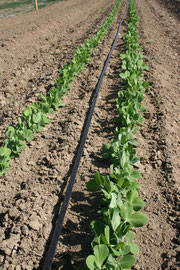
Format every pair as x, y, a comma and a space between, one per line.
126, 210
138, 219
134, 248
92, 185
90, 262
97, 227
115, 219
126, 262
101, 253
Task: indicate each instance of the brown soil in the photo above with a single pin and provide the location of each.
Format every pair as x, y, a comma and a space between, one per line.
33, 47
159, 144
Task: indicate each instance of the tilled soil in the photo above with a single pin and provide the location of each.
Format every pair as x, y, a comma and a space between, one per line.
33, 48
158, 142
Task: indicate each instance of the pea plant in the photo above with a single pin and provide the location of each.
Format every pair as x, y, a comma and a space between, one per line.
113, 246
4, 159
34, 117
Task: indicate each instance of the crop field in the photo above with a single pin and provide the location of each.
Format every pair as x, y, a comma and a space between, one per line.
89, 135
10, 8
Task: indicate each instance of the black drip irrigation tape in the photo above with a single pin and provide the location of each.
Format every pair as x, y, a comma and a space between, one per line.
54, 241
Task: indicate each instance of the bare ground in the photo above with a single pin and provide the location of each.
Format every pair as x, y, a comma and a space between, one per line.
33, 48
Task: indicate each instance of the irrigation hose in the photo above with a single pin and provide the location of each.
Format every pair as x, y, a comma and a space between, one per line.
54, 241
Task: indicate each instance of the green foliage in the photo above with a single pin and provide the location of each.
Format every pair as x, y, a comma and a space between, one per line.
16, 4
120, 203
4, 159
96, 261
14, 141
34, 117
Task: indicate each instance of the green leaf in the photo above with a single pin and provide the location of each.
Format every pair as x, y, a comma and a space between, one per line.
138, 204
125, 75
138, 219
123, 159
119, 201
103, 239
111, 263
11, 129
126, 210
108, 185
99, 178
135, 185
36, 117
92, 185
134, 248
132, 195
126, 262
97, 227
27, 111
5, 151
96, 241
123, 229
129, 237
28, 135
145, 85
116, 252
90, 262
123, 56
123, 66
126, 250
107, 233
135, 174
113, 200
19, 121
115, 221
101, 253
10, 132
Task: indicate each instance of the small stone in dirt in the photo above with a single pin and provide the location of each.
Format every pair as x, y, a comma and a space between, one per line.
32, 163
34, 222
